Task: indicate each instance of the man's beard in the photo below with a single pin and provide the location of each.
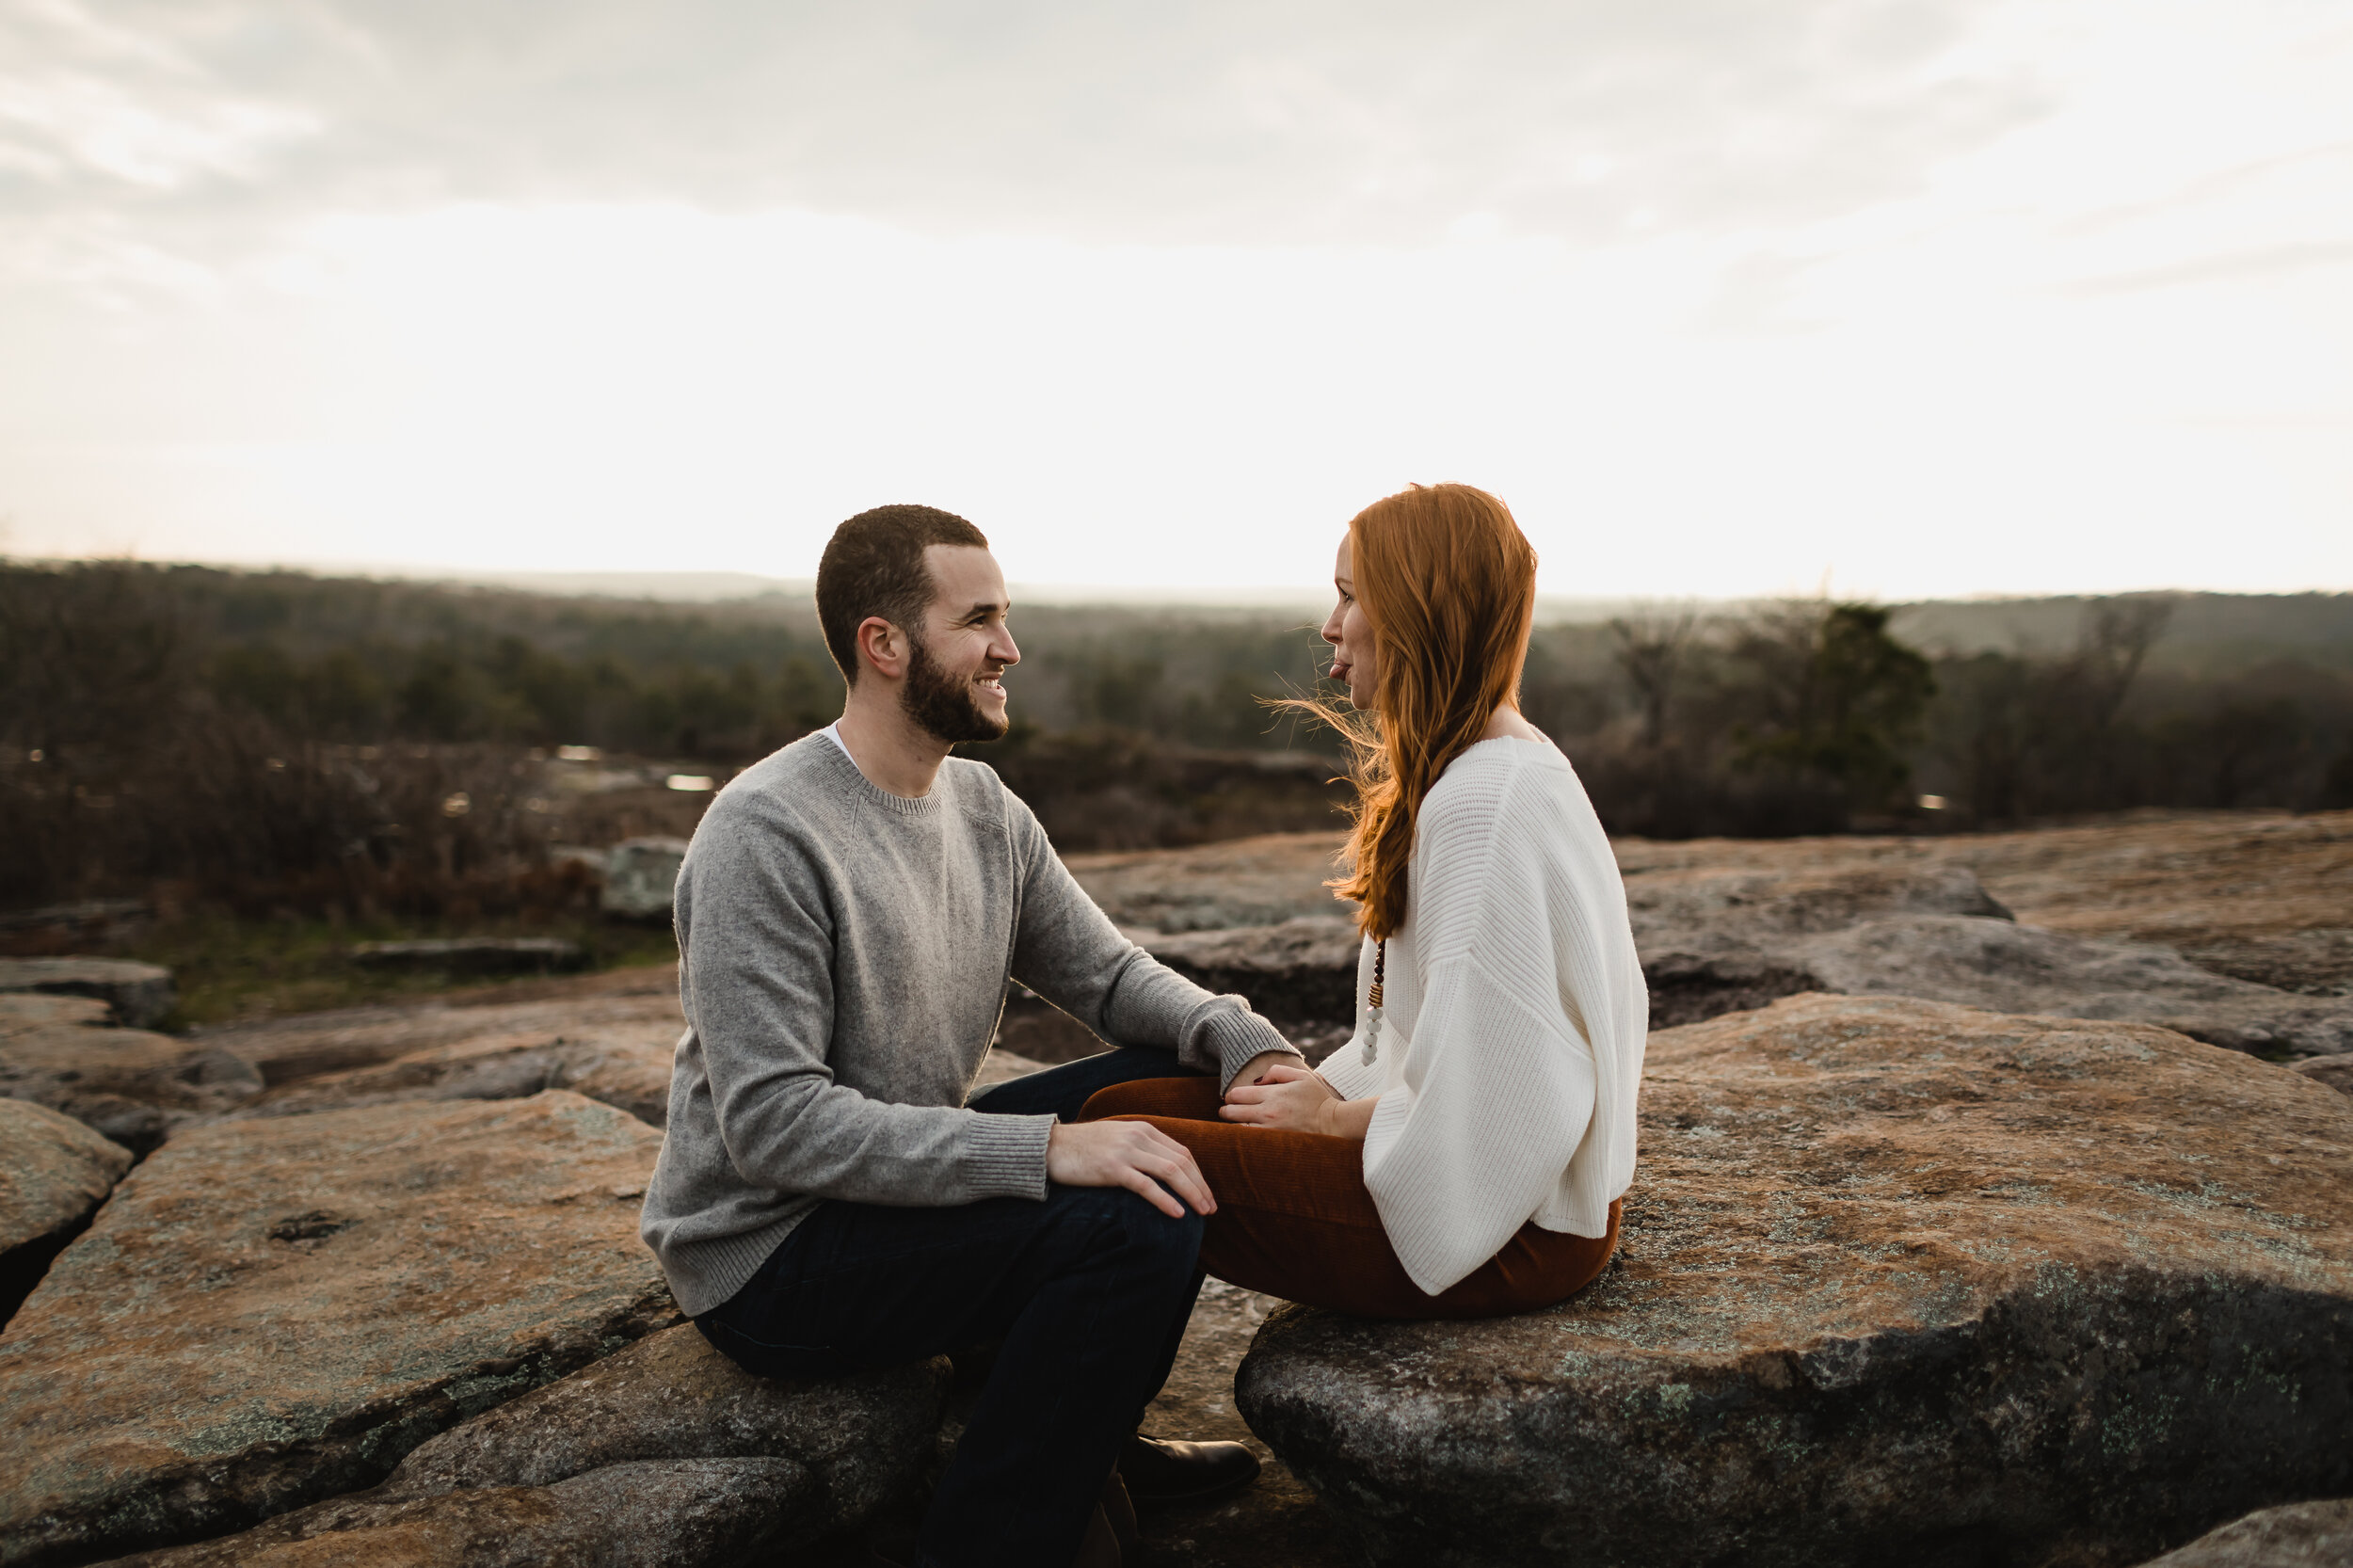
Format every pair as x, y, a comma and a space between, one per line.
944, 707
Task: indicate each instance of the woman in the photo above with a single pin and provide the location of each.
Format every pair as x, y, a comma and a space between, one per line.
1463, 1154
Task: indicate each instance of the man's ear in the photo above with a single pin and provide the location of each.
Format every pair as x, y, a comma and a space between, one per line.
883, 647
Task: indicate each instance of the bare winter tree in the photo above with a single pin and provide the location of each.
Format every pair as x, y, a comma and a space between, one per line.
1650, 648
2116, 639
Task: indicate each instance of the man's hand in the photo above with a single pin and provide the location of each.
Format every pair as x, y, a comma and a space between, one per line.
1135, 1155
1255, 1069
1287, 1096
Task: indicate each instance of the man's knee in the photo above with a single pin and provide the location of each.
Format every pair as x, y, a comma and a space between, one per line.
1124, 1222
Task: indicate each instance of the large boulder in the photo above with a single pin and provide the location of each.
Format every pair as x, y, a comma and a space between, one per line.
1716, 940
2015, 968
139, 994
56, 1173
271, 1312
627, 1070
640, 877
1239, 882
130, 1085
1898, 1282
628, 1012
474, 956
2256, 895
666, 1453
1300, 968
2295, 1535
2334, 1071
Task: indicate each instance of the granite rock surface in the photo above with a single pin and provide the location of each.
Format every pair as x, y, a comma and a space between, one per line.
664, 1453
1303, 967
271, 1312
1901, 1282
1241, 882
2295, 1535
672, 1397
632, 1008
55, 1172
131, 1085
2015, 968
140, 995
1714, 941
640, 877
2256, 895
642, 1513
2334, 1071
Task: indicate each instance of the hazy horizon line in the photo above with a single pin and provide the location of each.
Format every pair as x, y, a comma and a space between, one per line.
727, 586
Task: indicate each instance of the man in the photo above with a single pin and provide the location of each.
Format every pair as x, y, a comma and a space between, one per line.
848, 916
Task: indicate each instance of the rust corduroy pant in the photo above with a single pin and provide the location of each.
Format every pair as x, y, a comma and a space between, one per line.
1294, 1219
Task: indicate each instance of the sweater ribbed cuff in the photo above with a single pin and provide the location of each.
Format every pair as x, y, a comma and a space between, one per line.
1240, 1037
1349, 1073
1005, 1156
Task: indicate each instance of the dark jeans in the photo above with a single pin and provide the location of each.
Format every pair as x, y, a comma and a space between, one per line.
1089, 1293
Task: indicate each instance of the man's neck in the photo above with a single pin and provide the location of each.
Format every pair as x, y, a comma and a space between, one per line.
889, 749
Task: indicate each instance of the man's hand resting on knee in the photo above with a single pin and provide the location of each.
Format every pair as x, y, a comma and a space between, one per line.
1135, 1155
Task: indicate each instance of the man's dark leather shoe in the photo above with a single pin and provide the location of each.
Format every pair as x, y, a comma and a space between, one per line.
1161, 1470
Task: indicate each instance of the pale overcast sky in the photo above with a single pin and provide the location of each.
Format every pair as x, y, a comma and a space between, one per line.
1722, 297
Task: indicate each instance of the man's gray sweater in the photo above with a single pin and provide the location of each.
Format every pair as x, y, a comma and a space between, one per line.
844, 954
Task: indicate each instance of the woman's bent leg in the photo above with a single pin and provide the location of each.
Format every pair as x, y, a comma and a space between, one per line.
1294, 1219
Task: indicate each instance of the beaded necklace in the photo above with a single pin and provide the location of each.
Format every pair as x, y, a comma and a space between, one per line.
1372, 1016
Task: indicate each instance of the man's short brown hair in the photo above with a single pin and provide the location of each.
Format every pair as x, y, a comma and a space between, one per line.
873, 566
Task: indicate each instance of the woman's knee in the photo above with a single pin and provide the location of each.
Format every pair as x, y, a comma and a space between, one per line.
1191, 1098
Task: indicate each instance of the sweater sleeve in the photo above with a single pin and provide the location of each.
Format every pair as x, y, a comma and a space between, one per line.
1068, 952
757, 983
1498, 1087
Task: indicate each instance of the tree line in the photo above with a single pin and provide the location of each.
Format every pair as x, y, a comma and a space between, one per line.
208, 725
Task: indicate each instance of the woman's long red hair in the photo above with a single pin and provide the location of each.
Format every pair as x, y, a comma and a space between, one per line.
1449, 582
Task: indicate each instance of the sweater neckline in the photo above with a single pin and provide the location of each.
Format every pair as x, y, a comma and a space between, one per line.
1544, 747
837, 761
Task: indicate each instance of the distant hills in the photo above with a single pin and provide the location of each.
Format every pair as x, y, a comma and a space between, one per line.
2213, 632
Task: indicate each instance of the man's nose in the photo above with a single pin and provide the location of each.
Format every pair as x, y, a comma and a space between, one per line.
1004, 649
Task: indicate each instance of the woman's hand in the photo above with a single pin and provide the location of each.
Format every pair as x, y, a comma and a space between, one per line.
1256, 1068
1285, 1096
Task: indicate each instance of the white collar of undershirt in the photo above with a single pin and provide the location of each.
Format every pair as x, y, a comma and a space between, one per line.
833, 732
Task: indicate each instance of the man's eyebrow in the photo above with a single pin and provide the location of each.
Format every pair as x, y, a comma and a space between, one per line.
982, 610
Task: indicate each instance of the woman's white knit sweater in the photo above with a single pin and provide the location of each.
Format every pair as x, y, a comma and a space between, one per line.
1511, 1047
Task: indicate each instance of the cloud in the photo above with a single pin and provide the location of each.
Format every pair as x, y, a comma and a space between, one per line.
1235, 121
2230, 268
